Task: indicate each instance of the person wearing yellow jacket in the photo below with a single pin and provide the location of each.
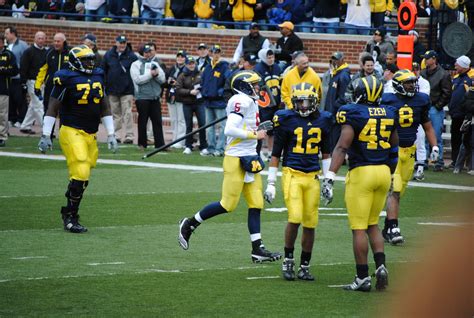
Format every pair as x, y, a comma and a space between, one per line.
204, 12
379, 10
242, 11
301, 73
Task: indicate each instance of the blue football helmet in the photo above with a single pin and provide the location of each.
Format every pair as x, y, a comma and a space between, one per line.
304, 99
246, 82
82, 59
368, 90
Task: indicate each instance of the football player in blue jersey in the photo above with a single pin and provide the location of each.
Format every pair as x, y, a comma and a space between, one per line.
412, 109
241, 166
369, 137
78, 97
302, 134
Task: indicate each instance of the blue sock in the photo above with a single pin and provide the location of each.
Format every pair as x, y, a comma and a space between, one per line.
254, 221
212, 210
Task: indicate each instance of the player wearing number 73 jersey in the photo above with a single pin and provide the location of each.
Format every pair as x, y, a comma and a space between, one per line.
412, 109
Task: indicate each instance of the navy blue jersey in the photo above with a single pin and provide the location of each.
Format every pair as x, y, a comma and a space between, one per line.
81, 96
411, 112
301, 139
372, 129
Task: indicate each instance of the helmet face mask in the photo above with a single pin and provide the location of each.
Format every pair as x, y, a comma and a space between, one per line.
247, 83
82, 59
368, 90
405, 83
304, 99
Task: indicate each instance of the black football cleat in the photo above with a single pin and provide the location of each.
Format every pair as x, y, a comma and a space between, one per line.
363, 285
71, 221
288, 269
304, 274
185, 231
393, 236
261, 255
381, 276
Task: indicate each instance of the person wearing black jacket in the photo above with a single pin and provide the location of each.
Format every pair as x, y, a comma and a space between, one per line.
119, 85
8, 68
287, 44
183, 9
56, 59
31, 61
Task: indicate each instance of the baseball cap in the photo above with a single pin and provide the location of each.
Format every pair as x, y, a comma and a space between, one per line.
216, 48
190, 60
380, 31
91, 37
121, 38
287, 24
254, 25
181, 53
202, 45
463, 61
251, 58
337, 56
413, 32
430, 54
147, 48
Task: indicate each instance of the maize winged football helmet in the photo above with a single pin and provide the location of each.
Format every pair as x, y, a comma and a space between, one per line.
368, 90
82, 59
246, 82
404, 83
304, 99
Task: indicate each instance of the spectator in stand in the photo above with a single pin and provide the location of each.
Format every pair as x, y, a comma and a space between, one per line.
204, 12
242, 11
419, 49
148, 78
213, 81
260, 11
33, 58
440, 94
175, 107
222, 11
20, 12
91, 41
97, 8
301, 73
326, 15
250, 44
287, 44
279, 12
203, 57
119, 86
17, 100
335, 98
382, 42
5, 5
188, 92
8, 68
366, 69
183, 9
152, 11
120, 10
80, 11
357, 17
56, 59
301, 15
379, 10
461, 84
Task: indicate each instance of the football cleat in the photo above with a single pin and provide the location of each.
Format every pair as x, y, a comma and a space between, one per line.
393, 236
288, 269
261, 255
304, 274
363, 285
185, 231
418, 175
381, 276
71, 222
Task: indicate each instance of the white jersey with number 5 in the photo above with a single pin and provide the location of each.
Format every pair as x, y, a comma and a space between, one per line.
247, 109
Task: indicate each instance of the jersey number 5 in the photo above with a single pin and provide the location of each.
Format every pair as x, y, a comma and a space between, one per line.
310, 147
374, 138
87, 89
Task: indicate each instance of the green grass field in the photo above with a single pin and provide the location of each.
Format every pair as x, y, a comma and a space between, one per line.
130, 264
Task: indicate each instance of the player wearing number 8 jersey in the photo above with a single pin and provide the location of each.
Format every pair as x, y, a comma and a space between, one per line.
369, 137
412, 109
78, 97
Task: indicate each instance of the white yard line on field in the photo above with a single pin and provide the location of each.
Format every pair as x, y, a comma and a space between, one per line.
445, 223
262, 277
21, 258
107, 263
203, 168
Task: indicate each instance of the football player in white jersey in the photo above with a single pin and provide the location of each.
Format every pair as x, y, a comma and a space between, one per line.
241, 166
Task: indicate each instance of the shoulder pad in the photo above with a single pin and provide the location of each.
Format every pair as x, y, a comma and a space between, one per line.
98, 71
281, 116
61, 76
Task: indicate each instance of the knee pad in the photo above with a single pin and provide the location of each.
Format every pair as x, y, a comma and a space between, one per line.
75, 189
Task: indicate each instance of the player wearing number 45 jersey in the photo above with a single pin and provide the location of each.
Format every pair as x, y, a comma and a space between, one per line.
369, 136
302, 134
241, 166
78, 97
412, 109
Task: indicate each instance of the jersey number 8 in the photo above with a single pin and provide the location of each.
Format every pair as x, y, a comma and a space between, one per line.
405, 115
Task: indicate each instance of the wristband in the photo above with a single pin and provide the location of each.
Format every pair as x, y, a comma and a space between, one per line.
325, 165
108, 122
48, 123
272, 175
251, 135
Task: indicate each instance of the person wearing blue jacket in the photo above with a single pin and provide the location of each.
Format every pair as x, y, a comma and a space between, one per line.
213, 81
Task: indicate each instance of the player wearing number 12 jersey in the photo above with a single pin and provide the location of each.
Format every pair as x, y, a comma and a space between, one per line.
412, 109
369, 137
241, 166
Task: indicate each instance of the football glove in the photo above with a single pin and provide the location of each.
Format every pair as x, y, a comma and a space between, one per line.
270, 193
45, 144
266, 125
327, 190
112, 143
434, 154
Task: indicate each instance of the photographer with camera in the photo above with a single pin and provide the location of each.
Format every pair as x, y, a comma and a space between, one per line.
148, 78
